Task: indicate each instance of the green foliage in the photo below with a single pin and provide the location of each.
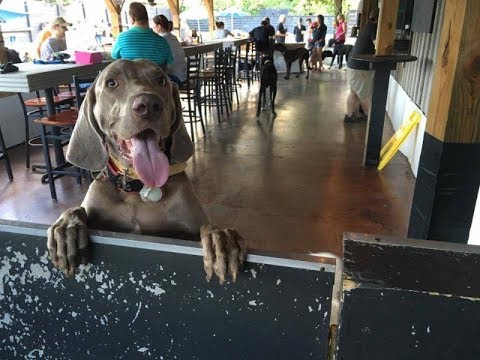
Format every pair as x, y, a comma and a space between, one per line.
300, 7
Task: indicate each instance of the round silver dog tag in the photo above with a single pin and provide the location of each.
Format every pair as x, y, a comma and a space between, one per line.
151, 194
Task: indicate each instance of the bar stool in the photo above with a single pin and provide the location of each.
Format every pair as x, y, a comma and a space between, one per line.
62, 125
214, 83
39, 104
190, 93
4, 156
231, 73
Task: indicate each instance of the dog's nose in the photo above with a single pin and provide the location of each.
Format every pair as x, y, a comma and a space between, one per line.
145, 105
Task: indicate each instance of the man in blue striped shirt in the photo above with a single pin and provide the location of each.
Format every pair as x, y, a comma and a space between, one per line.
141, 42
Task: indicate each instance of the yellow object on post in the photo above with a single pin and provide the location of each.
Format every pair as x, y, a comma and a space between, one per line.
398, 138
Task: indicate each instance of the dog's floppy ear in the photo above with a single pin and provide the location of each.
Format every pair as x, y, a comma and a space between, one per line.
181, 146
85, 148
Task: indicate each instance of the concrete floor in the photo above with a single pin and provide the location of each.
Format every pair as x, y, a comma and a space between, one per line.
292, 184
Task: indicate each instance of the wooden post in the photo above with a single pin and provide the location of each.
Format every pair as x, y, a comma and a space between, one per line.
175, 10
211, 17
387, 22
115, 10
368, 5
449, 174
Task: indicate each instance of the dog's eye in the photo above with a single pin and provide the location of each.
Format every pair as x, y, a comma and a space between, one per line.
112, 83
161, 81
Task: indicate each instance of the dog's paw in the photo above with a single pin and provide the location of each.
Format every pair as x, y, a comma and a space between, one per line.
224, 251
67, 240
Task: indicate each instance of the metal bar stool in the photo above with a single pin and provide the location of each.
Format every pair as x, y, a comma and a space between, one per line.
190, 93
65, 120
214, 83
4, 156
39, 105
231, 74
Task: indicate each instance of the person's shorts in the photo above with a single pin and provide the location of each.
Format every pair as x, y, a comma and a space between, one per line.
361, 82
320, 44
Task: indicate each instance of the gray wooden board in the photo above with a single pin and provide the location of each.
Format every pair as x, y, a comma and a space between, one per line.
383, 324
33, 77
409, 299
135, 302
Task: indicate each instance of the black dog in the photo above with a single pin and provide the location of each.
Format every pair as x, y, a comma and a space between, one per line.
340, 50
290, 56
268, 79
326, 53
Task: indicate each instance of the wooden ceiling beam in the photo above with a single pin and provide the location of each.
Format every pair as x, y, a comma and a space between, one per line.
115, 10
174, 6
211, 16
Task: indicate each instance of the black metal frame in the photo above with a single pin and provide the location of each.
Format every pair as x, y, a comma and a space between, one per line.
4, 156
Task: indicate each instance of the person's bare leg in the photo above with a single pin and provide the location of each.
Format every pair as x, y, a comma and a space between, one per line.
320, 50
313, 59
365, 103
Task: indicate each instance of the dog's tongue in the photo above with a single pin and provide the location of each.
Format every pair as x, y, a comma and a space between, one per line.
149, 161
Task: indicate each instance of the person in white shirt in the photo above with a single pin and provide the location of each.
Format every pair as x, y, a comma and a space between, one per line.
178, 69
221, 32
57, 41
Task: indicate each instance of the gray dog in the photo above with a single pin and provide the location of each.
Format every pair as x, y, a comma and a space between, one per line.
131, 128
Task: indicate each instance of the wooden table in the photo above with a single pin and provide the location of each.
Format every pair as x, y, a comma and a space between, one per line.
212, 45
35, 77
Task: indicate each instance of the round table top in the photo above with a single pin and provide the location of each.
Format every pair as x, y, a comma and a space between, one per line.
384, 58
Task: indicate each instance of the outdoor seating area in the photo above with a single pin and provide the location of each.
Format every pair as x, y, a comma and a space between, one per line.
182, 179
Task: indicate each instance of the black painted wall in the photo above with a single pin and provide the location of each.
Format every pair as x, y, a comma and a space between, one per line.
446, 191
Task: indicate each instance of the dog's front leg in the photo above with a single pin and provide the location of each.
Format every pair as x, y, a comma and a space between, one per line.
289, 66
259, 106
224, 251
67, 240
273, 94
308, 68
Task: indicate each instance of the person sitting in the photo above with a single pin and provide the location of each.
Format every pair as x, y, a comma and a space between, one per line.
141, 42
56, 42
261, 35
221, 32
177, 71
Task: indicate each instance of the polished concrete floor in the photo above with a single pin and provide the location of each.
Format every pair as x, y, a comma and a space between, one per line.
292, 184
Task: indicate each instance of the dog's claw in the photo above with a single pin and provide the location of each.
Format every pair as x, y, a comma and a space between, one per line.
224, 252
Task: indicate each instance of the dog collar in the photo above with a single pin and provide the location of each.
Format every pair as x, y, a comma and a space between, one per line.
127, 180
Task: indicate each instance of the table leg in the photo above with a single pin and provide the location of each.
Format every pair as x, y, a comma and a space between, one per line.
376, 117
57, 144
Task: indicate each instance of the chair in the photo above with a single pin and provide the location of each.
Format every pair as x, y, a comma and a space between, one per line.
247, 63
231, 73
190, 93
4, 156
214, 82
61, 125
81, 86
39, 105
